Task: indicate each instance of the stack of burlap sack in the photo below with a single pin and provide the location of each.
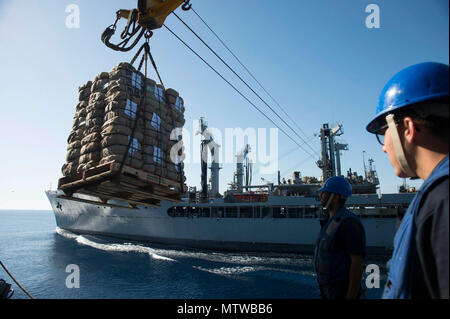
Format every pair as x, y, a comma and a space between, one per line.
106, 115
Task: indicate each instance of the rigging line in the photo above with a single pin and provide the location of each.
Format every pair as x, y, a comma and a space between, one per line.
239, 92
254, 78
244, 82
240, 78
17, 283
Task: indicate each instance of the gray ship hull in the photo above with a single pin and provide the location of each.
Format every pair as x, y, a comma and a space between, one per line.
155, 225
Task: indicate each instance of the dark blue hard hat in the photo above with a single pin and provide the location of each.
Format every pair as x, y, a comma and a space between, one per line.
421, 82
337, 185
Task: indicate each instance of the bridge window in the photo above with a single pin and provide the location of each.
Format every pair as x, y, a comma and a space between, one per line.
177, 211
295, 212
309, 212
265, 211
257, 212
231, 212
279, 212
246, 211
204, 212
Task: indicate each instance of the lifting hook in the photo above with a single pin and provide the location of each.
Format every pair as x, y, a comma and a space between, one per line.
186, 6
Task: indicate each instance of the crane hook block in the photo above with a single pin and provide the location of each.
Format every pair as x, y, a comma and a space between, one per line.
186, 6
107, 34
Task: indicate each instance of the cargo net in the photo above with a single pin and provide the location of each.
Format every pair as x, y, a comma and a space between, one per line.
127, 119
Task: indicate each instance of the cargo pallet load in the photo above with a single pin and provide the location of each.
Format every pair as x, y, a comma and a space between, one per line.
126, 141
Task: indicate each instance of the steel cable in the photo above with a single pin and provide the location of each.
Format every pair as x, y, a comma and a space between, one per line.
254, 78
229, 83
240, 78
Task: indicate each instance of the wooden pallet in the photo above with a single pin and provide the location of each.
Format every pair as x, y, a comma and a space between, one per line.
132, 185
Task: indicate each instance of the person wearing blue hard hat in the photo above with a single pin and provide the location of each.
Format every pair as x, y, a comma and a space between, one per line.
411, 123
341, 244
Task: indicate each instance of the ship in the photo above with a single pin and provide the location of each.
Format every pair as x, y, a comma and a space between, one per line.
279, 217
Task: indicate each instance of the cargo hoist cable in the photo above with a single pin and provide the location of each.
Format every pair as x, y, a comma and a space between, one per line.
245, 83
240, 78
254, 78
232, 86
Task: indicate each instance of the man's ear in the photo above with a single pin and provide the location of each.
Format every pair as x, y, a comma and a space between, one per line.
410, 130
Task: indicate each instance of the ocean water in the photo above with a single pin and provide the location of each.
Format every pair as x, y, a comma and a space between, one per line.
49, 263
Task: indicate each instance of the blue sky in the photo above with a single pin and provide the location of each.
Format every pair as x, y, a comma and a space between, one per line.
317, 58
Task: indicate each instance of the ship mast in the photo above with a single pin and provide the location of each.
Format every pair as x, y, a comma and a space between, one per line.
338, 148
240, 158
364, 164
330, 161
208, 142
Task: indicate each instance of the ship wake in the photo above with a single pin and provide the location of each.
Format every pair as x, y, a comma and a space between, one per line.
241, 263
238, 270
113, 247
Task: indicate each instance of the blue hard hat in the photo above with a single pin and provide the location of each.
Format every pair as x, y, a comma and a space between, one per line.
337, 185
421, 82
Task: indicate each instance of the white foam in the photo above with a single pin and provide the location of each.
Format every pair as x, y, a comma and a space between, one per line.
229, 270
240, 258
238, 270
126, 247
66, 233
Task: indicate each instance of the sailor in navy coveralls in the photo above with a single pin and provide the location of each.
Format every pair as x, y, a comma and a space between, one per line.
411, 122
340, 247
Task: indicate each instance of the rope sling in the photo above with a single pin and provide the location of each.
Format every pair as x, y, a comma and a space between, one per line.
146, 54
